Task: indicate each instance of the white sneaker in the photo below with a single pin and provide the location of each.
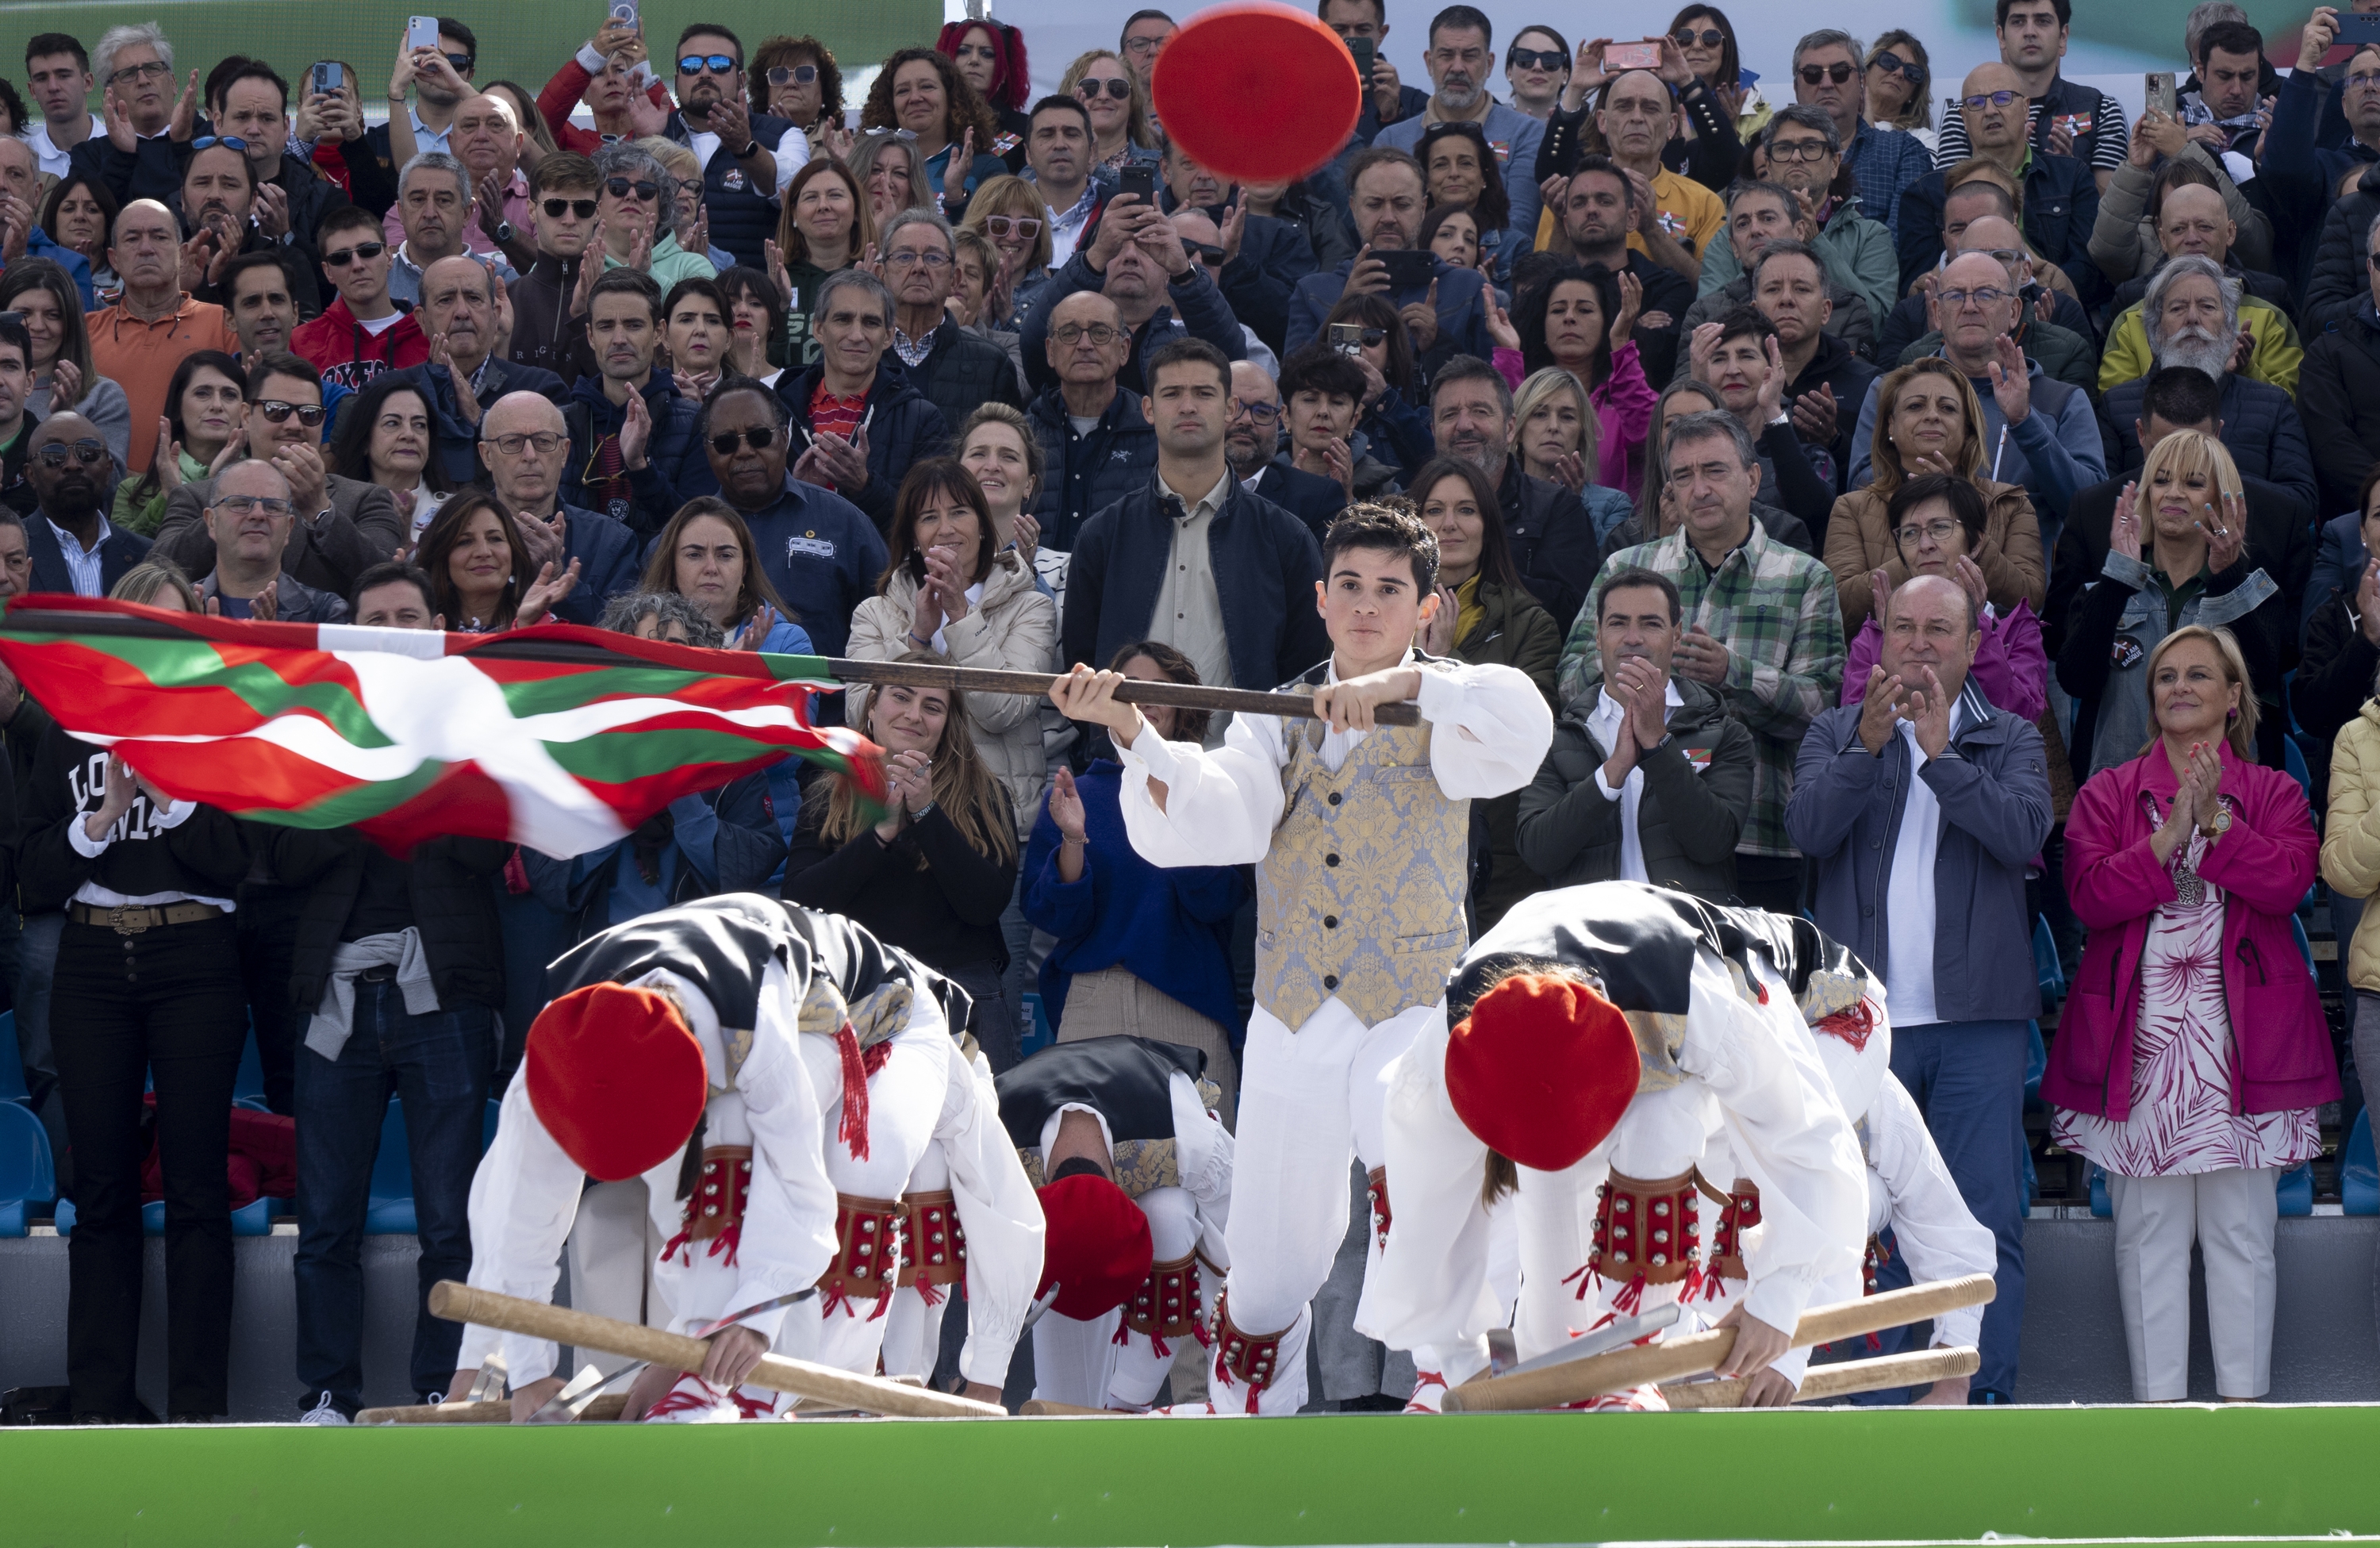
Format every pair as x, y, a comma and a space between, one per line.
323, 1413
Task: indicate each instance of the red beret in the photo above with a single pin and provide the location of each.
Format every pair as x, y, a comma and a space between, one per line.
1098, 1248
617, 1079
1541, 1069
1259, 94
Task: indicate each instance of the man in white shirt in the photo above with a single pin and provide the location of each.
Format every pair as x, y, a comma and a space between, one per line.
57, 76
1057, 158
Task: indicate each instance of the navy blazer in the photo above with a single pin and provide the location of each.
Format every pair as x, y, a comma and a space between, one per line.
118, 553
1310, 497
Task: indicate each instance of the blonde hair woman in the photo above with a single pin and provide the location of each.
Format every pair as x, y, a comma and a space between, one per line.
1118, 104
1012, 216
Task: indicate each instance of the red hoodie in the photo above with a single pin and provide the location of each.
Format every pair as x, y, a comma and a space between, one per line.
346, 352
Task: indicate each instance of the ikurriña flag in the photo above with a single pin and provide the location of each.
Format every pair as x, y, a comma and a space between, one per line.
560, 737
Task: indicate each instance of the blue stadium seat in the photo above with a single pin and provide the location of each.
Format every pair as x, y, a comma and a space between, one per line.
27, 1178
488, 1130
2101, 1208
249, 1080
390, 1212
2305, 947
2296, 1190
2036, 1058
2293, 759
2045, 965
12, 1071
1042, 1035
2359, 1172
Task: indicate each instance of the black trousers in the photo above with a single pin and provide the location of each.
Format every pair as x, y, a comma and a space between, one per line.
166, 1004
267, 923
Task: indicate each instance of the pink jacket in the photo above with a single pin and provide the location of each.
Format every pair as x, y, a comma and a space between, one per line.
2011, 666
2280, 1042
1623, 408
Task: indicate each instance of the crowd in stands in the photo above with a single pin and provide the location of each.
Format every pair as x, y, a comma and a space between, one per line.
1931, 518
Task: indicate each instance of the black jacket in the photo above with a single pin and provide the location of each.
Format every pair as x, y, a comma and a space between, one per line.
1310, 497
902, 425
1082, 475
1274, 255
676, 466
2261, 430
2336, 283
293, 602
964, 371
452, 908
927, 892
455, 440
2335, 675
543, 334
117, 554
205, 855
1266, 565
154, 170
1906, 324
2061, 203
2339, 398
1193, 305
1553, 540
2279, 539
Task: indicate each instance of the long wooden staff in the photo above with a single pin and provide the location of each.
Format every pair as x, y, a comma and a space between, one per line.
976, 679
1692, 1355
1921, 1367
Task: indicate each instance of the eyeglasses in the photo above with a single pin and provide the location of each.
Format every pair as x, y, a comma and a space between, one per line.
1797, 149
140, 72
461, 63
1011, 225
1837, 72
645, 189
1997, 99
1893, 64
1537, 59
1116, 86
209, 141
345, 256
557, 207
2364, 79
1986, 296
1205, 252
309, 414
89, 453
1938, 530
1072, 334
247, 505
792, 75
1709, 37
909, 258
1263, 413
717, 63
546, 442
759, 438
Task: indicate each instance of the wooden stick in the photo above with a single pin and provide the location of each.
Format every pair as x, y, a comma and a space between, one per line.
583, 1330
976, 679
1040, 1408
1922, 1367
1691, 1356
608, 1406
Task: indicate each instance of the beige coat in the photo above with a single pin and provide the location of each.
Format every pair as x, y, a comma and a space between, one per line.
2351, 836
1859, 541
1015, 629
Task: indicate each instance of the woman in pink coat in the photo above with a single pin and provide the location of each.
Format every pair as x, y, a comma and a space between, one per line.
2191, 1052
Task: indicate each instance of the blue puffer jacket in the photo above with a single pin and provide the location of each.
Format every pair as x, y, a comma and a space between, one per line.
1085, 474
903, 426
676, 466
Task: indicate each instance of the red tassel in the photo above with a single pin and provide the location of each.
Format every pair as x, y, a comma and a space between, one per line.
728, 1239
683, 1239
1853, 1024
1631, 1298
928, 1293
1585, 1276
1693, 1283
853, 1130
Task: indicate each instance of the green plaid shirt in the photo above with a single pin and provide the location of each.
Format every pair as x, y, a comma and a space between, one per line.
1774, 610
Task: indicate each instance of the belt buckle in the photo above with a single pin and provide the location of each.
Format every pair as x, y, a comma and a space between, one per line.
117, 922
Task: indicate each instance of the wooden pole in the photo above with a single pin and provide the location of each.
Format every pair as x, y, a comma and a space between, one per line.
583, 1330
977, 679
1691, 1356
1920, 1367
1041, 1407
499, 1410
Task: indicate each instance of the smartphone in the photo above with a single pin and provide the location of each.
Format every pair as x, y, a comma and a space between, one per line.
1347, 337
327, 76
1139, 180
2361, 27
2160, 93
1409, 268
1631, 56
621, 14
420, 32
915, 566
1361, 49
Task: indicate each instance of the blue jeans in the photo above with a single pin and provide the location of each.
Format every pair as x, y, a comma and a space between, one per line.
438, 1066
1968, 1079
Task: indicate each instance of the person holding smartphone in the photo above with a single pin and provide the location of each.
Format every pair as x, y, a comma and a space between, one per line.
612, 76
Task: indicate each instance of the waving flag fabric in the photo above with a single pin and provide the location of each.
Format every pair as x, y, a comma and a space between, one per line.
560, 737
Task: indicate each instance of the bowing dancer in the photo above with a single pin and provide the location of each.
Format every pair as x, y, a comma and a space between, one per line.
1139, 1179
1360, 838
1585, 1048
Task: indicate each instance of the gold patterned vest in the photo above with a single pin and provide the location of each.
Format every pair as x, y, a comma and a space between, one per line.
1360, 895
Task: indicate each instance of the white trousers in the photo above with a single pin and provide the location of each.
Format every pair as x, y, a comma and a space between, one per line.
1084, 1363
1309, 1101
913, 1330
2231, 1213
611, 1248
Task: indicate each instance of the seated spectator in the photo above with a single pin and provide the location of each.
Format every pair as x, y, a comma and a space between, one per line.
2194, 1085
400, 967
247, 518
478, 569
756, 320
2260, 426
1897, 74
205, 416
1757, 214
70, 544
955, 370
2063, 343
1939, 523
815, 549
829, 224
2335, 676
1655, 514
886, 168
384, 437
63, 375
2338, 393
633, 453
249, 99
20, 179
2302, 177
2124, 238
562, 221
461, 313
720, 840
688, 218
1485, 615
1058, 163
258, 297
695, 335
1272, 256
140, 339
433, 206
1264, 467
2060, 197
1389, 420
1648, 779
2193, 313
611, 75
523, 441
991, 58
1548, 528
2176, 555
1446, 316
1828, 71
1560, 440
996, 445
863, 421
1931, 421
1011, 214
1460, 170
78, 213
1985, 194
362, 332
1322, 391
636, 224
1122, 133
164, 1004
2350, 863
2337, 279
1452, 231
344, 526
809, 98
1921, 807
1805, 158
1634, 117
16, 426
139, 156
951, 821
1599, 220
1740, 359
1094, 436
1581, 320
921, 93
2191, 218
2037, 431
1141, 950
1767, 634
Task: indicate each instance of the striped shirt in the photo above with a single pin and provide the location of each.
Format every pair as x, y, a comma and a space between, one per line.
83, 567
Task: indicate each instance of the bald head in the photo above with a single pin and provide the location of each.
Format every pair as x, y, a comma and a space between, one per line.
146, 252
2193, 223
1994, 126
485, 135
525, 474
1929, 626
521, 414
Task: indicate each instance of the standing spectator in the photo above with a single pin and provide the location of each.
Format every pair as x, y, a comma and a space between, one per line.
2165, 156
478, 569
399, 966
247, 518
818, 551
1829, 74
434, 205
1806, 158
990, 57
42, 292
1142, 950
2303, 178
58, 72
362, 332
1600, 207
1095, 437
2338, 391
71, 544
206, 408
2350, 860
1921, 806
1461, 53
1537, 63
1897, 77
950, 820
1389, 100
2195, 1081
1650, 780
148, 115
440, 78
958, 372
1138, 259
864, 423
250, 100
1117, 103
746, 154
1707, 43
384, 436
1552, 536
921, 93
2336, 676
1583, 321
562, 222
523, 440
2061, 198
1447, 315
635, 201
633, 451
1764, 631
2064, 118
139, 340
829, 225
1321, 392
1192, 560
148, 985
797, 80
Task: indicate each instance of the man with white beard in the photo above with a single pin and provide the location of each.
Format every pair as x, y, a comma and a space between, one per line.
2202, 316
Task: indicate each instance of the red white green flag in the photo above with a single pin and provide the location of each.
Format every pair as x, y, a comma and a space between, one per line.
560, 737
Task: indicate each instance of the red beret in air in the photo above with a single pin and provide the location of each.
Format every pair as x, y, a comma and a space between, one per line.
1259, 94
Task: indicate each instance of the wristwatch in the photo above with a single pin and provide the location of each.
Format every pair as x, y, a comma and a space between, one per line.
749, 147
503, 232
2222, 823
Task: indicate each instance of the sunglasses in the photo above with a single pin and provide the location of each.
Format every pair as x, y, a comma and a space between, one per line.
209, 141
1997, 99
1709, 37
717, 63
89, 453
1011, 225
309, 414
759, 438
645, 189
1205, 252
1893, 64
792, 75
345, 256
1837, 73
1116, 86
1552, 59
557, 207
